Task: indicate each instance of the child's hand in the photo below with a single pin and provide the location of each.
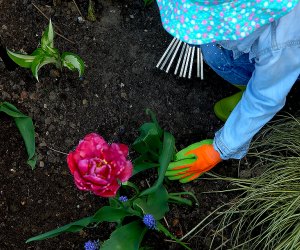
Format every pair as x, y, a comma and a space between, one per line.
193, 161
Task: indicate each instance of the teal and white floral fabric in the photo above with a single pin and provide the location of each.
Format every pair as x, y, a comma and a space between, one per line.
205, 21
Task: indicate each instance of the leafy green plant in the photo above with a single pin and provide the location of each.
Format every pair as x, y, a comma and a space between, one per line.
266, 214
145, 209
46, 54
26, 128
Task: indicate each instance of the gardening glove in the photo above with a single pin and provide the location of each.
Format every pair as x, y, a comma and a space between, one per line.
193, 161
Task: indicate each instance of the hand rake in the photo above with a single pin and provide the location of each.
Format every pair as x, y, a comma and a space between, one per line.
185, 55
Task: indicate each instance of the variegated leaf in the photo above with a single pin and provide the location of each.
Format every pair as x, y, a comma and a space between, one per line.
48, 37
39, 62
22, 60
73, 62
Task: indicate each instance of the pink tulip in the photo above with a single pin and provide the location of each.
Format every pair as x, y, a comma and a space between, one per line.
98, 166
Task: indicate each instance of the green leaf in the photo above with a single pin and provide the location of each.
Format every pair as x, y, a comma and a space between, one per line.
165, 157
72, 228
26, 128
110, 214
155, 203
180, 200
154, 120
138, 167
38, 51
91, 11
127, 237
177, 196
22, 60
106, 213
114, 203
149, 139
48, 37
132, 185
73, 62
161, 228
39, 62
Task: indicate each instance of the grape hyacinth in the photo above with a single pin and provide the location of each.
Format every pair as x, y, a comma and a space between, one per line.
123, 198
91, 245
149, 221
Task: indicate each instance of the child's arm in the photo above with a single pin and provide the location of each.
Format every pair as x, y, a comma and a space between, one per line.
265, 95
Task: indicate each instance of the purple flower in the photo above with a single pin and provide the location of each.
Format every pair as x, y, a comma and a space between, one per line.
149, 221
91, 245
123, 198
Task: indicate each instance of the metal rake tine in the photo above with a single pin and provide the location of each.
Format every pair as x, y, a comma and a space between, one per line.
175, 53
186, 62
165, 53
169, 54
180, 57
191, 62
198, 62
201, 65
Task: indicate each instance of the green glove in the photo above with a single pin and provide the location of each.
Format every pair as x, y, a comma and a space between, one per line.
193, 161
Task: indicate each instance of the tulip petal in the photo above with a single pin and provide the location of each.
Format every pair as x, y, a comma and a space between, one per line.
98, 166
71, 162
123, 148
83, 166
80, 183
95, 180
126, 173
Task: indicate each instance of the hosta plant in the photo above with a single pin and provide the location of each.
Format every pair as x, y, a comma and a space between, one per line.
46, 53
105, 170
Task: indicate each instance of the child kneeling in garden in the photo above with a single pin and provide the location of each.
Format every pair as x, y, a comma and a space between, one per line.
254, 45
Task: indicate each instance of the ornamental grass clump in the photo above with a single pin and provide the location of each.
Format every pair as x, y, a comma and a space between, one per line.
267, 213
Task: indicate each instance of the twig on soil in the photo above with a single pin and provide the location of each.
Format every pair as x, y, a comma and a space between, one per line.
53, 24
164, 217
46, 16
70, 41
166, 222
173, 241
78, 9
57, 151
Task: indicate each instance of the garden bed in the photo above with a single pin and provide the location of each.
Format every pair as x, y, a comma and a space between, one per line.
120, 51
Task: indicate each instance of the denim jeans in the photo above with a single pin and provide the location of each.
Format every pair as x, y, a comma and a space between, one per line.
235, 71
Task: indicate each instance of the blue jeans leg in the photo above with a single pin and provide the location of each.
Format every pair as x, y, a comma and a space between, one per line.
235, 71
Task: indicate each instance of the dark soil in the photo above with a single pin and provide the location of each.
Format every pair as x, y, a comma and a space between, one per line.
120, 50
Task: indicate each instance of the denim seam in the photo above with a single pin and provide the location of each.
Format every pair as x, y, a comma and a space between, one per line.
221, 146
225, 152
280, 46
